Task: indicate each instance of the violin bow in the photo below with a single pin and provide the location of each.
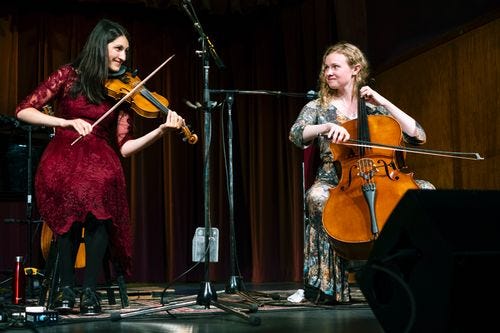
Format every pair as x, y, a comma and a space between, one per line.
130, 93
452, 154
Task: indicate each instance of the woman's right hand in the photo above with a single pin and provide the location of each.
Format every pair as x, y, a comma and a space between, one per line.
36, 117
336, 133
81, 126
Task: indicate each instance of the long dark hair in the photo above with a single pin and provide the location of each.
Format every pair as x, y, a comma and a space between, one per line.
92, 63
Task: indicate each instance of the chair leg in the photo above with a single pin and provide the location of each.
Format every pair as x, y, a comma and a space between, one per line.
109, 283
50, 280
54, 283
122, 287
120, 280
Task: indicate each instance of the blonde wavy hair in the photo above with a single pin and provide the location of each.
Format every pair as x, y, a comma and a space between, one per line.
354, 57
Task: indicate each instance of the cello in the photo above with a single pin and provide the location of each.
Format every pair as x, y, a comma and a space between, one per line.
371, 183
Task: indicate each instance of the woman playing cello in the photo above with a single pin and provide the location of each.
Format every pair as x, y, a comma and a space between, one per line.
341, 84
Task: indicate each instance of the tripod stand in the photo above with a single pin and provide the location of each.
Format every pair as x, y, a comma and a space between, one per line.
206, 296
235, 283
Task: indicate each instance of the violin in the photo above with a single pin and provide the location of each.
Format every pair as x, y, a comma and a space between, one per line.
144, 102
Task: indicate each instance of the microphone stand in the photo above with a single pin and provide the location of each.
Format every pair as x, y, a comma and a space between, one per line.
15, 128
29, 203
206, 296
29, 195
234, 284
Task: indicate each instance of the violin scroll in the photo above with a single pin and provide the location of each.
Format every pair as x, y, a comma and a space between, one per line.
191, 138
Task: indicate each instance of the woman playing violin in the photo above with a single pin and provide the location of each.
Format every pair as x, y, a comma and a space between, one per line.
83, 185
341, 83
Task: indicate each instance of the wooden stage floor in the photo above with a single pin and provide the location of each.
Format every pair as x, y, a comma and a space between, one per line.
263, 308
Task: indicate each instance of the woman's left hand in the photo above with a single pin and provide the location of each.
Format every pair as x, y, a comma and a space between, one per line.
371, 96
173, 121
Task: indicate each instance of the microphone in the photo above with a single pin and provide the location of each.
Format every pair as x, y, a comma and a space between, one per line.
311, 94
194, 106
197, 105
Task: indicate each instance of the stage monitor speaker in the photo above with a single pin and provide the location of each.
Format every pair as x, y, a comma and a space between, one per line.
435, 265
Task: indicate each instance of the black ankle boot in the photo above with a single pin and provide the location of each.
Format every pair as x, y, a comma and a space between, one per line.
65, 299
90, 303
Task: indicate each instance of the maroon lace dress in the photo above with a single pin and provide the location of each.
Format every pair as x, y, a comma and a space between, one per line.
74, 180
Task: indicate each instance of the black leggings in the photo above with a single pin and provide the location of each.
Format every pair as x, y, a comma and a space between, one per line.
96, 245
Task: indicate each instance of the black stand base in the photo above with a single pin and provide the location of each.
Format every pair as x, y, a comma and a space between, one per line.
234, 286
206, 298
205, 295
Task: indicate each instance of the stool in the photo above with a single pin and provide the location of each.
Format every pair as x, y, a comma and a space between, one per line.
50, 282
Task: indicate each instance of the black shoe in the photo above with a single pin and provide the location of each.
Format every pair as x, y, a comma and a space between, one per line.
65, 299
318, 297
90, 303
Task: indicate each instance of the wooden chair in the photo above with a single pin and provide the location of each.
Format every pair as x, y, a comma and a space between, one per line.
50, 282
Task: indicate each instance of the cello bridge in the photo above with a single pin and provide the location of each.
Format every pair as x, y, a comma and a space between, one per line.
366, 168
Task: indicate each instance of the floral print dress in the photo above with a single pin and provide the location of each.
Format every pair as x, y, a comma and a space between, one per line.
326, 273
